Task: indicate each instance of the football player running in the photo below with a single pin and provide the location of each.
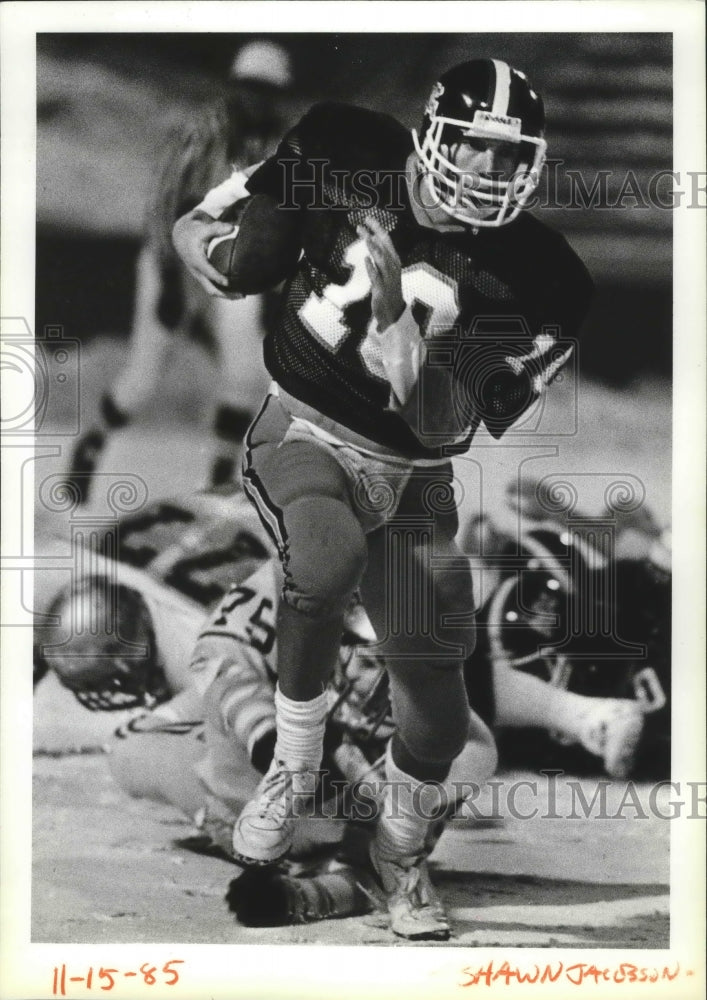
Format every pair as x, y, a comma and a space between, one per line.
408, 245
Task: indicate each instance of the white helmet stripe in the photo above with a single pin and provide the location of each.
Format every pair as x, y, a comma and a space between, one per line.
502, 93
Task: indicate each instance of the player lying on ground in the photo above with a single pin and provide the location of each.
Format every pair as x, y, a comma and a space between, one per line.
170, 562
204, 749
404, 241
210, 737
583, 603
173, 561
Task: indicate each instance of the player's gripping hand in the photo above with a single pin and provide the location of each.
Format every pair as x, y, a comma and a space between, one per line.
191, 236
384, 273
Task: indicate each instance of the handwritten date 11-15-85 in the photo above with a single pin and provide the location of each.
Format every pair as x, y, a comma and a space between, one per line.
101, 978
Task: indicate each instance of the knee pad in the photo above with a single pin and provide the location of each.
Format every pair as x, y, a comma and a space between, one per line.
325, 555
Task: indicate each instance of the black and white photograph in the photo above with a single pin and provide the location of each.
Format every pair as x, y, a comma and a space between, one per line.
353, 499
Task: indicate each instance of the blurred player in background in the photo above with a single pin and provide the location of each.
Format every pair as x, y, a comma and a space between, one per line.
238, 129
405, 239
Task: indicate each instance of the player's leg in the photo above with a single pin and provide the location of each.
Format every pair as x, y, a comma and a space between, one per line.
238, 330
150, 340
159, 763
610, 728
423, 611
301, 494
230, 426
433, 728
185, 765
90, 446
153, 329
418, 592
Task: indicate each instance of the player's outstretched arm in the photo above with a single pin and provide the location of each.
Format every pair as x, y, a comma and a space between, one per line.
191, 235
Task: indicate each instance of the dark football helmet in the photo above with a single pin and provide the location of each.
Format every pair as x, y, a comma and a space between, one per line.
482, 101
597, 627
110, 660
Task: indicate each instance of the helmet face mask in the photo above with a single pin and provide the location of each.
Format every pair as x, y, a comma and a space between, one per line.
360, 685
127, 684
487, 105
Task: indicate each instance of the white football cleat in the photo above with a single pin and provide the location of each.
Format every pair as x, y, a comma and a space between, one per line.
612, 730
264, 831
416, 912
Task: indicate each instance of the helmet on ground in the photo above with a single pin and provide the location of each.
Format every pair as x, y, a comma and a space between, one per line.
110, 660
594, 625
482, 103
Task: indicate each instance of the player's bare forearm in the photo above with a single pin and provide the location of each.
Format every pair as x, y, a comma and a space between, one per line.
191, 236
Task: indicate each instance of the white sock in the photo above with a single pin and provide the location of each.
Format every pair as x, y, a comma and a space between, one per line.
300, 731
409, 806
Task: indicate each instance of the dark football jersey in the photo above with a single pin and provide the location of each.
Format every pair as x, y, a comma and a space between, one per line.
502, 306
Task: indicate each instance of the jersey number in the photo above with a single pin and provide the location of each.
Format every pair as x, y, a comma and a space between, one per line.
260, 629
323, 315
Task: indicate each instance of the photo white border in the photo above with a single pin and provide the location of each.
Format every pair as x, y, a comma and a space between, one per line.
239, 971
